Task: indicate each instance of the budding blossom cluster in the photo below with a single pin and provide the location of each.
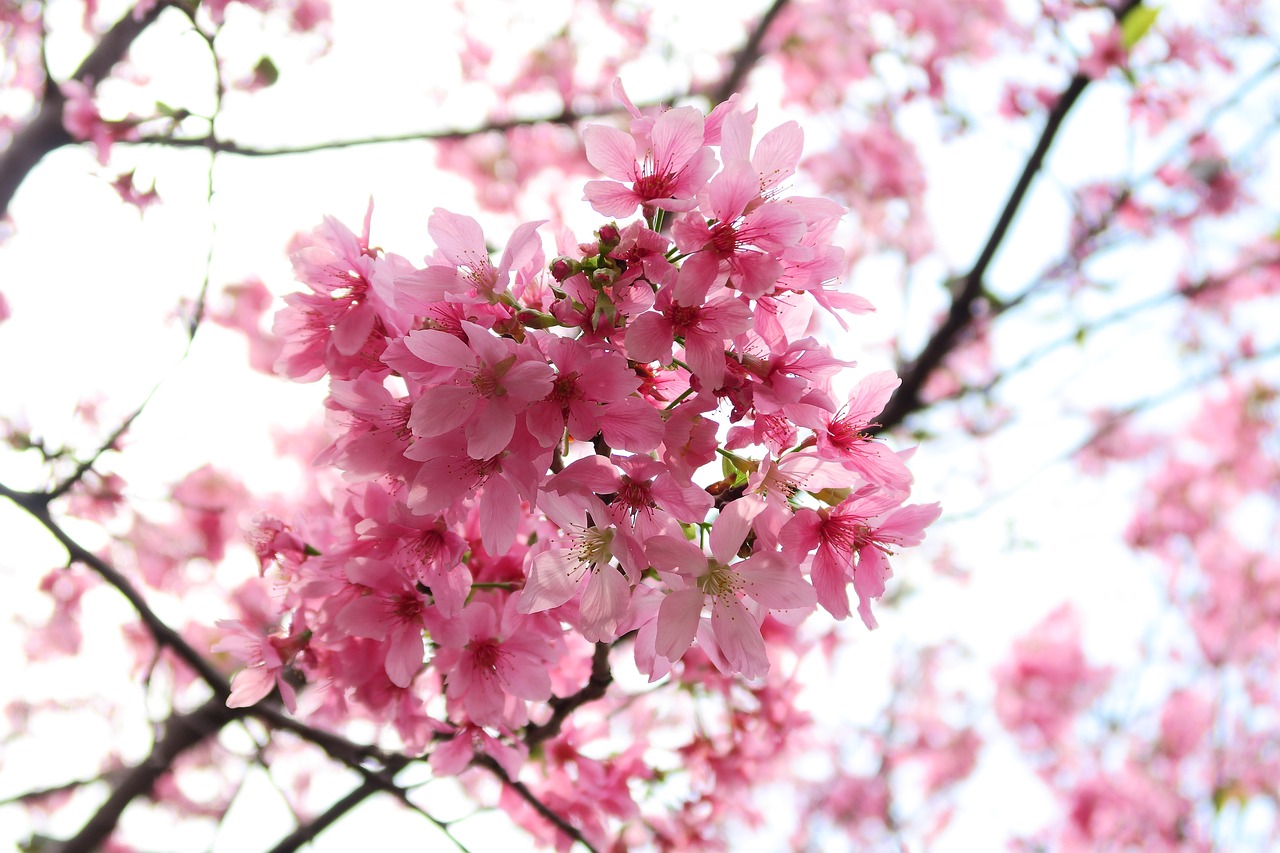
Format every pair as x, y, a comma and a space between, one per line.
635, 440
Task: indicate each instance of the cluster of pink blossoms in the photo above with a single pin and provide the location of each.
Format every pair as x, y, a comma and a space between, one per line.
638, 439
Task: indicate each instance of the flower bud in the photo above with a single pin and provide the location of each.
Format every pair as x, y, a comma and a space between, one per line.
562, 268
532, 319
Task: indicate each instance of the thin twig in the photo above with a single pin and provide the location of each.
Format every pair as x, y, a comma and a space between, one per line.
36, 504
37, 794
225, 146
491, 764
307, 832
110, 444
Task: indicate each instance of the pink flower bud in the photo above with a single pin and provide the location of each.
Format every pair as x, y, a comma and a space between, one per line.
562, 268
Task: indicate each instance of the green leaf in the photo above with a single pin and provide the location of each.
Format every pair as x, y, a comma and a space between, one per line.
1136, 24
266, 72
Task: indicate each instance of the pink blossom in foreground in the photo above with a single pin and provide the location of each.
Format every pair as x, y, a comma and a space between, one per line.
667, 175
683, 310
501, 664
844, 437
854, 540
263, 666
391, 610
764, 578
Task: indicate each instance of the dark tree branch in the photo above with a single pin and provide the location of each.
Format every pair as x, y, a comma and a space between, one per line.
87, 465
45, 132
491, 764
906, 400
223, 146
37, 794
563, 706
37, 505
307, 832
181, 732
747, 57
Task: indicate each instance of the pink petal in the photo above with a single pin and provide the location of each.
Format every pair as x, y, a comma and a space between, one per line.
731, 527
490, 431
829, 581
353, 330
649, 338
735, 138
528, 381
404, 656
610, 198
774, 584
678, 623
452, 756
526, 678
872, 394
522, 246
676, 136
611, 151
731, 191
499, 515
366, 617
738, 637
249, 686
550, 583
778, 152
439, 348
632, 425
441, 409
604, 601
421, 289
458, 237
669, 554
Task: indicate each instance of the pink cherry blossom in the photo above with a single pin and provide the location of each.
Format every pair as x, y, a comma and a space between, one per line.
763, 577
391, 610
866, 525
668, 175
684, 311
500, 665
492, 381
263, 666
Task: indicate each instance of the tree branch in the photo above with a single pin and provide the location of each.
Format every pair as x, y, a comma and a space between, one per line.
743, 61
307, 832
491, 764
563, 706
906, 400
45, 132
36, 505
223, 146
746, 58
181, 732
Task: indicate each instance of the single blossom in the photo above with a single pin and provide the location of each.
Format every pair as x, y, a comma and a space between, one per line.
763, 577
674, 166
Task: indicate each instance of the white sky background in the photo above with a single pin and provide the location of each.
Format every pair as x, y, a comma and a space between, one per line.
91, 286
